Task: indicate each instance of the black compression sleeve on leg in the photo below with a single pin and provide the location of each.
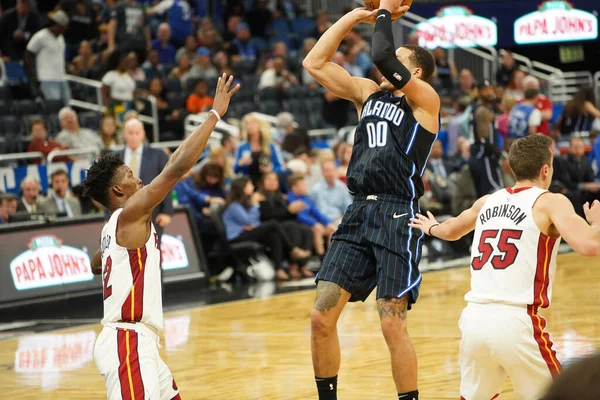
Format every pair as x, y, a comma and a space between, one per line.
384, 53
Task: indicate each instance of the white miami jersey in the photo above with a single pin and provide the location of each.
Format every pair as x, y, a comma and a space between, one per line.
512, 261
131, 277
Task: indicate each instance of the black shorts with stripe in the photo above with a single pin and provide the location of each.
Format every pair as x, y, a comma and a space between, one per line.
374, 246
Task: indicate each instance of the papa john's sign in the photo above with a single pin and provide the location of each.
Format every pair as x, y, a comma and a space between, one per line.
48, 262
556, 21
456, 26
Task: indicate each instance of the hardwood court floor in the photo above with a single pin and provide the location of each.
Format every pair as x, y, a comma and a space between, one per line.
260, 349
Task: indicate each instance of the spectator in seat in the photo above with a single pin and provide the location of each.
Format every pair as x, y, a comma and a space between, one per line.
277, 76
203, 67
189, 48
259, 19
579, 113
166, 51
561, 180
507, 69
199, 101
8, 206
40, 142
466, 85
152, 67
59, 200
289, 134
83, 24
179, 18
146, 163
118, 86
323, 228
242, 223
129, 29
515, 87
445, 70
109, 135
46, 49
30, 195
231, 26
85, 60
307, 79
182, 69
330, 195
459, 124
323, 23
242, 46
344, 155
503, 121
169, 119
354, 40
525, 118
581, 171
274, 206
202, 190
211, 39
257, 155
542, 103
463, 153
17, 26
438, 172
134, 70
72, 135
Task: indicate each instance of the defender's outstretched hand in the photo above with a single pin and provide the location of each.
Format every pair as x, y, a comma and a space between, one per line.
592, 212
223, 94
424, 223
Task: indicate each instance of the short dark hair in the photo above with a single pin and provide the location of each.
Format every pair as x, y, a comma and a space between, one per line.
528, 155
210, 169
236, 192
423, 59
57, 173
294, 179
101, 176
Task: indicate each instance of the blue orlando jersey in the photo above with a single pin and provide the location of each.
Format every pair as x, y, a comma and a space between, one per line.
390, 149
180, 20
518, 126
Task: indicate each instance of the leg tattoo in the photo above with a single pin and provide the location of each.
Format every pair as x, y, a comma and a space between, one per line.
328, 295
393, 307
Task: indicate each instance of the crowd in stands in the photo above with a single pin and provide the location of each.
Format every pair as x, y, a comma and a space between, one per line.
274, 185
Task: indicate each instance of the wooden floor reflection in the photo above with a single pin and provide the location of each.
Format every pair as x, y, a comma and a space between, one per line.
260, 349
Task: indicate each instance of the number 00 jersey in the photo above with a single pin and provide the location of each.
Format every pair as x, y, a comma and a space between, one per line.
512, 261
131, 278
390, 149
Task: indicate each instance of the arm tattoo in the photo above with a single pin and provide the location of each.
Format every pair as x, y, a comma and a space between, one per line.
393, 308
328, 295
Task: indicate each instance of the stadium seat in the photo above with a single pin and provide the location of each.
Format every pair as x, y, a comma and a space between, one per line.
172, 85
302, 27
52, 124
5, 93
25, 107
142, 85
250, 81
90, 120
51, 107
295, 106
268, 94
9, 125
244, 67
176, 100
297, 92
270, 107
5, 108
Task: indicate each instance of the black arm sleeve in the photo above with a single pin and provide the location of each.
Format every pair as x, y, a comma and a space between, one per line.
384, 53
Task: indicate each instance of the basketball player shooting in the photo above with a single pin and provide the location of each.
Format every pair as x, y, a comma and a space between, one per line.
126, 352
513, 263
373, 246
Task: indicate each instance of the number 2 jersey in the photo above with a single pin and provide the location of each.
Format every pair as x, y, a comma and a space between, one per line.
512, 261
131, 279
390, 149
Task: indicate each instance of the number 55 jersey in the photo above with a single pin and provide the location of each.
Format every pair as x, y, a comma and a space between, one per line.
512, 261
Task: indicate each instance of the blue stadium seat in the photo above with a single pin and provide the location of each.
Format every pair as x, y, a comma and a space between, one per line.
302, 27
557, 110
176, 100
172, 85
15, 72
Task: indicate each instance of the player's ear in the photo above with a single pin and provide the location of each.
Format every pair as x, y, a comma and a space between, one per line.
117, 190
417, 73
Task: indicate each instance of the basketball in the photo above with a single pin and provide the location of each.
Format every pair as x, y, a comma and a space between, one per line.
374, 4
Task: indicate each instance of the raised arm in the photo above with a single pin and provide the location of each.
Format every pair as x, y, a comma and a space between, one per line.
140, 206
334, 77
385, 58
452, 229
584, 238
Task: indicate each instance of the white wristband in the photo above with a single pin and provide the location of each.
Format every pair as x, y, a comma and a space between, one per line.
216, 113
